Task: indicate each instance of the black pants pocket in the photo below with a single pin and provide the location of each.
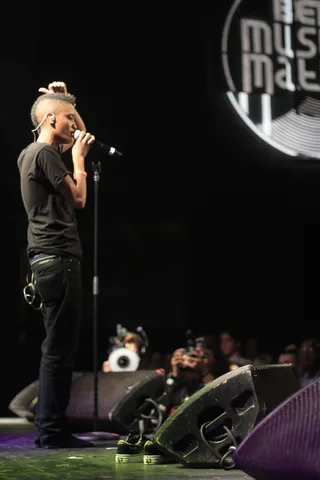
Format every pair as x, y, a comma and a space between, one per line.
49, 279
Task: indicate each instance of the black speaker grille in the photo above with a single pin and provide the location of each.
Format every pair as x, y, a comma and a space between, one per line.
112, 387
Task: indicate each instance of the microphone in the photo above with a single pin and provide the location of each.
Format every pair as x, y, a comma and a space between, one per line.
102, 147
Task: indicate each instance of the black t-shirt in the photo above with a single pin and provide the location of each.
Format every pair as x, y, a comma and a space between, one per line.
52, 226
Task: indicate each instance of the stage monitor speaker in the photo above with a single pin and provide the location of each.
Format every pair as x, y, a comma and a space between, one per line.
285, 445
205, 430
137, 388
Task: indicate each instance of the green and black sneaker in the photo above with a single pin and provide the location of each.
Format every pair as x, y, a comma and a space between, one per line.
131, 449
153, 455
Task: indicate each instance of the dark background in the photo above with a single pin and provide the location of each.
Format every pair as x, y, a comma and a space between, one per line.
201, 224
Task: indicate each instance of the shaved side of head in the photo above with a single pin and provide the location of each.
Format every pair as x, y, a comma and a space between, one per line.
47, 103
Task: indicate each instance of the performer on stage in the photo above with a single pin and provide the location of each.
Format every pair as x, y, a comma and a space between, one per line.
50, 194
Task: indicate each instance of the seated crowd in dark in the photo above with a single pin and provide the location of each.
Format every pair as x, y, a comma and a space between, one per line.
189, 368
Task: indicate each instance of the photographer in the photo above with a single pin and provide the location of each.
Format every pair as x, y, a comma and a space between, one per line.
191, 369
127, 351
132, 341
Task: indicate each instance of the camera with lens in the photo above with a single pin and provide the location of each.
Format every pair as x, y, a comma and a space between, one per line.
192, 343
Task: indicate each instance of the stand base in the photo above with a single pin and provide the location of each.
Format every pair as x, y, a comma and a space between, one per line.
97, 437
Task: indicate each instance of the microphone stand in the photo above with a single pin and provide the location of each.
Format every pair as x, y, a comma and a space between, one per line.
96, 167
96, 435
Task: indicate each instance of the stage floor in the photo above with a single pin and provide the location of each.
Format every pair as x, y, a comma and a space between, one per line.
20, 460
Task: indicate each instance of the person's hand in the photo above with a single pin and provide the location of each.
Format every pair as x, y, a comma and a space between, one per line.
54, 87
82, 146
106, 366
194, 362
176, 360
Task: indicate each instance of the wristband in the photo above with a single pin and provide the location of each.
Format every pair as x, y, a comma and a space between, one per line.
81, 172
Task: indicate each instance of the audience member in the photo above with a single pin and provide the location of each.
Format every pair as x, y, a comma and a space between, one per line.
290, 355
230, 347
132, 341
191, 369
309, 361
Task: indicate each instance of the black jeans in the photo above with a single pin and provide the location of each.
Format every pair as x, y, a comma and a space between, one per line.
58, 283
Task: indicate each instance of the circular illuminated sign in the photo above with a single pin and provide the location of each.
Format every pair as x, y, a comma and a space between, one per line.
270, 58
